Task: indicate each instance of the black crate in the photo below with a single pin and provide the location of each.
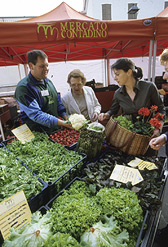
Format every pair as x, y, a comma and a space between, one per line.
61, 182
39, 200
42, 197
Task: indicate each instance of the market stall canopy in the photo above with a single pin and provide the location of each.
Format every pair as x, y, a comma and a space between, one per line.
67, 35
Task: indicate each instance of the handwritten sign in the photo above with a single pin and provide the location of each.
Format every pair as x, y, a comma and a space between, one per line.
126, 174
23, 133
14, 212
142, 164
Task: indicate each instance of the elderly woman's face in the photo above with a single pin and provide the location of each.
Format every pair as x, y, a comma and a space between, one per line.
76, 85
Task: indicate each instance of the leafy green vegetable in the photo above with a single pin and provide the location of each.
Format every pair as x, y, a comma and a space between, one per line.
123, 204
75, 211
61, 240
15, 177
124, 122
90, 142
47, 159
106, 234
97, 175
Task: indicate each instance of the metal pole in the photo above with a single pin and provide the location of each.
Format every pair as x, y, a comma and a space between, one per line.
108, 71
19, 71
26, 69
154, 60
105, 72
150, 59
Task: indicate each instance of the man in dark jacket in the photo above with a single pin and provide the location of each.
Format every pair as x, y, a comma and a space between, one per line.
157, 143
38, 100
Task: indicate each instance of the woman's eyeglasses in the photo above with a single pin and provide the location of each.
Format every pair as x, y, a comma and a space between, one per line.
76, 85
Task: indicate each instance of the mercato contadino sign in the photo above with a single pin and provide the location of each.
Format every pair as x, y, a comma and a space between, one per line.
71, 30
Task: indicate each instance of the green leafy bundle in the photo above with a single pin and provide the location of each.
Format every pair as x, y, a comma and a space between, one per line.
90, 142
15, 177
123, 204
61, 240
124, 122
47, 159
75, 211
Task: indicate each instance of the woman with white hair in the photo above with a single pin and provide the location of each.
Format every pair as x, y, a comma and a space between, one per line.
81, 99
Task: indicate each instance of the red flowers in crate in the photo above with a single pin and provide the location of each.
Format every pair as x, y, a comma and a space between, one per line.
148, 120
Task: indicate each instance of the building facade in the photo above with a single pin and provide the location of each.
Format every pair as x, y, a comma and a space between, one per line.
119, 9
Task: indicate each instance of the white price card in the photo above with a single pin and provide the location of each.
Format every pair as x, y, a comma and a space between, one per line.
126, 174
14, 212
23, 133
142, 164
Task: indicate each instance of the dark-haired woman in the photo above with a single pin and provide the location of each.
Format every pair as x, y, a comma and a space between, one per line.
133, 93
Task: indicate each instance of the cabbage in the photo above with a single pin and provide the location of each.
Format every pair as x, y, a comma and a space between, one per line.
31, 235
105, 235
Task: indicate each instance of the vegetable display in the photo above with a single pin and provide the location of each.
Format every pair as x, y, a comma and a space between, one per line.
76, 210
46, 159
15, 177
97, 176
65, 137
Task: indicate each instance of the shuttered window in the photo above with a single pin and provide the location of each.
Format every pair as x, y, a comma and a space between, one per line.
166, 4
106, 12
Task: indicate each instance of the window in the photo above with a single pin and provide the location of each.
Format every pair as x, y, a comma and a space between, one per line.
132, 16
166, 4
106, 11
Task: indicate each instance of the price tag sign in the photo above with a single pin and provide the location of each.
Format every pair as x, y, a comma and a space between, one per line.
126, 174
14, 212
142, 164
23, 133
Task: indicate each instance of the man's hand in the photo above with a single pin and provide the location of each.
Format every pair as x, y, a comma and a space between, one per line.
162, 91
64, 123
158, 142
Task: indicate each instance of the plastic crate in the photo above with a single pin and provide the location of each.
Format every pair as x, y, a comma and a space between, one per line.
40, 199
62, 181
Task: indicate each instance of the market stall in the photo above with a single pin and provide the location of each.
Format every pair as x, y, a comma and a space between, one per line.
45, 167
74, 37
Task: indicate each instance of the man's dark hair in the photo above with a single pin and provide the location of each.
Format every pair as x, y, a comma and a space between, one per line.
32, 56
